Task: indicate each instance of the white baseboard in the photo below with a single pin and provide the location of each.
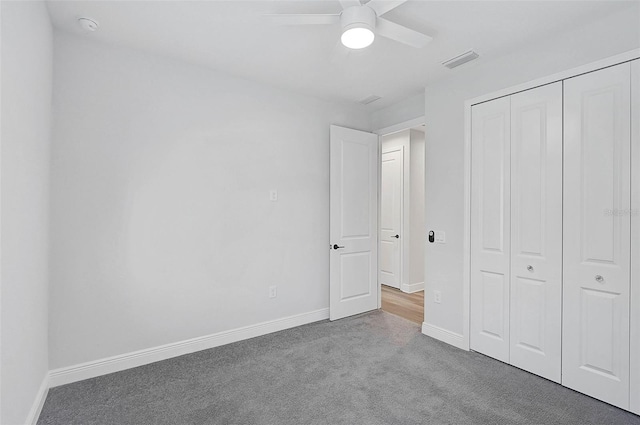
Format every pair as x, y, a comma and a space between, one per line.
444, 335
412, 287
36, 408
121, 362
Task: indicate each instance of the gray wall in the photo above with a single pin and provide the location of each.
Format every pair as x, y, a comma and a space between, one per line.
162, 227
26, 116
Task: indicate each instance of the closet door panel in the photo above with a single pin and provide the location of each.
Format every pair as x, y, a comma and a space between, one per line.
490, 228
635, 236
536, 231
595, 357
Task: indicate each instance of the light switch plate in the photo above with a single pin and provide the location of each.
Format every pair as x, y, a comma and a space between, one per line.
273, 195
440, 237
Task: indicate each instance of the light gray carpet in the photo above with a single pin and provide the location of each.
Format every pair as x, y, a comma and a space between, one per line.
370, 369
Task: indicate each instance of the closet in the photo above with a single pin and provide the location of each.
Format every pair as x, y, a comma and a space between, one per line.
597, 234
555, 232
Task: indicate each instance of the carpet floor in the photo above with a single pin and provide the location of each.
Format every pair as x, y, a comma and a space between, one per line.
371, 369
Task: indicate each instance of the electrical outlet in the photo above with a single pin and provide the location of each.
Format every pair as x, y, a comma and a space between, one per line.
273, 195
273, 291
437, 297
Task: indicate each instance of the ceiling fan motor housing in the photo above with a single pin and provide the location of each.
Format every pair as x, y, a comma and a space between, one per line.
358, 17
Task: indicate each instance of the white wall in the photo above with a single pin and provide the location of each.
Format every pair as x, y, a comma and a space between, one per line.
26, 115
161, 221
417, 233
405, 110
444, 110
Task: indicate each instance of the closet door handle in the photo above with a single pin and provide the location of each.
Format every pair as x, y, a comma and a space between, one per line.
530, 268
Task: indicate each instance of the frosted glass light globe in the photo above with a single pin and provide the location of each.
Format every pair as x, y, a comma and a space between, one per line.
357, 37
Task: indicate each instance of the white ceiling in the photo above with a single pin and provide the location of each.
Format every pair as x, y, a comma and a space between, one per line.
235, 38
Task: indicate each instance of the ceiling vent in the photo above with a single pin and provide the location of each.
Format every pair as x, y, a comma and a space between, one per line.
461, 59
370, 99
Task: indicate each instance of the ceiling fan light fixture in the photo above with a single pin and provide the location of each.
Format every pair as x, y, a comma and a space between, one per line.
358, 23
357, 37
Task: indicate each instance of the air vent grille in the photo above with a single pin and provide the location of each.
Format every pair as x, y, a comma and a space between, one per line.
461, 59
370, 99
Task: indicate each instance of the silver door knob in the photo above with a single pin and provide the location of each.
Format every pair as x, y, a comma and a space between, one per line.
599, 278
530, 268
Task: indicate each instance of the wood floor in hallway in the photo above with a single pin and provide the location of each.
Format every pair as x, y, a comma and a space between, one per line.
409, 306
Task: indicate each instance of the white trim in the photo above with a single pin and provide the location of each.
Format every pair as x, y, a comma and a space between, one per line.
466, 242
38, 403
121, 362
405, 227
444, 335
410, 288
634, 403
466, 266
378, 212
405, 125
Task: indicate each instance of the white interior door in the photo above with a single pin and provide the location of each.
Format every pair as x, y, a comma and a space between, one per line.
536, 231
490, 228
353, 260
595, 357
635, 236
391, 201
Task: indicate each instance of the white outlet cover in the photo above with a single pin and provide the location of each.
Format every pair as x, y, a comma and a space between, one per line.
273, 195
437, 297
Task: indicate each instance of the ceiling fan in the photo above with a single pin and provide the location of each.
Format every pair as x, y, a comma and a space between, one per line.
361, 23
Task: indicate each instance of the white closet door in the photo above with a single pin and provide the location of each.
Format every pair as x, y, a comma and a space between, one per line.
536, 231
595, 357
635, 236
490, 228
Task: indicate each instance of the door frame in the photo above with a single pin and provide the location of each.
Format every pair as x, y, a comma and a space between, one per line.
462, 341
404, 211
406, 187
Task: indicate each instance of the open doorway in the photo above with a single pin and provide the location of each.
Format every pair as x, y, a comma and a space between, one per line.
401, 230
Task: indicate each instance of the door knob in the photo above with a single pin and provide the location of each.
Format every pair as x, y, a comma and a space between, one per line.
396, 236
599, 278
335, 246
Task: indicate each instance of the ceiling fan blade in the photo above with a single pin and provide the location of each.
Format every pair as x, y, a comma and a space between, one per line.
302, 19
350, 3
401, 34
383, 6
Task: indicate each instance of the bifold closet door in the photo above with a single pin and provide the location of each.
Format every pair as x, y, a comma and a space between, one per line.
595, 352
536, 231
635, 236
490, 228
